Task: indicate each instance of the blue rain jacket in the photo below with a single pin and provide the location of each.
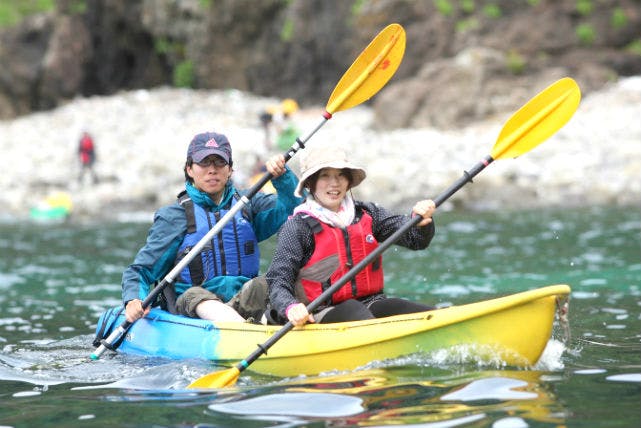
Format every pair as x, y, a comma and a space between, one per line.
158, 256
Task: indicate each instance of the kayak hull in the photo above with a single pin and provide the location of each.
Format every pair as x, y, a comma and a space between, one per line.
513, 330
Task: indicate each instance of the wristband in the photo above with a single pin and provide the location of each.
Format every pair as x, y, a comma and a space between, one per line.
288, 308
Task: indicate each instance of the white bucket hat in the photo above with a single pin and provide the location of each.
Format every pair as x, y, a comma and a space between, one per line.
316, 158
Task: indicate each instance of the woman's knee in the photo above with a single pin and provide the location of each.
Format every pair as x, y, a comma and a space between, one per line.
187, 302
349, 310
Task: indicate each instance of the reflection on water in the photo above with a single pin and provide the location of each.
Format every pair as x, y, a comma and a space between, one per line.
493, 388
55, 280
317, 404
443, 398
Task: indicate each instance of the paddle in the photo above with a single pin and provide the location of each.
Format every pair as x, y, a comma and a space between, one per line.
532, 124
371, 70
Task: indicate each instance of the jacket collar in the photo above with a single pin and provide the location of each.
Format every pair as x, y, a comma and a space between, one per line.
201, 198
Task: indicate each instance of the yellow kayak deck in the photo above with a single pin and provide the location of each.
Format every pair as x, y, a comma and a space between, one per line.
514, 328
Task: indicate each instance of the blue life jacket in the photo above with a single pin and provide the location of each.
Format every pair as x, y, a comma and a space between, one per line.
233, 252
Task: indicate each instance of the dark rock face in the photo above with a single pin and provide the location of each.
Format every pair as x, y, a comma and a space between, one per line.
69, 50
494, 65
460, 64
21, 53
124, 55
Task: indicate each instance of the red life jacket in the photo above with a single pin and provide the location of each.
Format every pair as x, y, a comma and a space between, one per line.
86, 149
351, 245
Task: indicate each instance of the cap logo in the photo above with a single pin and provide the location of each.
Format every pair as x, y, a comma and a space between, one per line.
211, 143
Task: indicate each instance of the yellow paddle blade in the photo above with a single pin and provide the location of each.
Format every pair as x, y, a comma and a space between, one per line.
216, 379
538, 120
373, 68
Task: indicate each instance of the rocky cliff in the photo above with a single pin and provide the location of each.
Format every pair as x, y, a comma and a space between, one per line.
465, 60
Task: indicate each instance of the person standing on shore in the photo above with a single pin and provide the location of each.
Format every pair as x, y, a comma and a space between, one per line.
87, 157
221, 283
277, 123
327, 235
286, 129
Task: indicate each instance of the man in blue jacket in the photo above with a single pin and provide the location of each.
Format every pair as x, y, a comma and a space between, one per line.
221, 283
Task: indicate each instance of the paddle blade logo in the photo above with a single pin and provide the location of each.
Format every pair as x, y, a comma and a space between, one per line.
373, 68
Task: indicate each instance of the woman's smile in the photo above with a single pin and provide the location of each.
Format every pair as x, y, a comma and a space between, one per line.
331, 188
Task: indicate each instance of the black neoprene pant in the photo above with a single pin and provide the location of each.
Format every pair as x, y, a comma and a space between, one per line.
353, 310
395, 306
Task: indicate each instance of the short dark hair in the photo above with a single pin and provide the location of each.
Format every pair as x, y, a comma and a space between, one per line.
310, 183
188, 163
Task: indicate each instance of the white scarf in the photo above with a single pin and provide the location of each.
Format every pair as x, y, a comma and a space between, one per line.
342, 218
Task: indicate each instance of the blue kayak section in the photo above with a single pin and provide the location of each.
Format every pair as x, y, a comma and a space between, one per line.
162, 334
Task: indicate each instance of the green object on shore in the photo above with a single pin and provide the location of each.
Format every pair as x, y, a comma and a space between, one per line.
48, 213
287, 137
55, 207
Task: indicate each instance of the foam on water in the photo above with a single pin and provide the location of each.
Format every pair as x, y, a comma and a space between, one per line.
552, 357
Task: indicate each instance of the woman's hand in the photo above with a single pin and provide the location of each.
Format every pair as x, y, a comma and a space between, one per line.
134, 310
425, 209
276, 165
297, 314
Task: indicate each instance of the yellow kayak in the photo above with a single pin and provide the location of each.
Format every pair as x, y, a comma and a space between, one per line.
514, 329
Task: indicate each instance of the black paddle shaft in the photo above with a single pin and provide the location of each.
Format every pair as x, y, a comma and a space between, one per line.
327, 294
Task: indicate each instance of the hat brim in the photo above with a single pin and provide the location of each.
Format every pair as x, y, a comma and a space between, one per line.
358, 174
202, 154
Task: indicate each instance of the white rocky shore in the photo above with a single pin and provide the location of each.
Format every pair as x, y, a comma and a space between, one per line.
142, 136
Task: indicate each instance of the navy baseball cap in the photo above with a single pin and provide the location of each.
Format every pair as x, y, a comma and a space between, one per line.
209, 143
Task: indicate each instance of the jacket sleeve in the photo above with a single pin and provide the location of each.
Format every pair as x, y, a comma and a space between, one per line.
385, 223
156, 258
294, 248
271, 211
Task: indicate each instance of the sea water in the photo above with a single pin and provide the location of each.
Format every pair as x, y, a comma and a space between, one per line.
56, 279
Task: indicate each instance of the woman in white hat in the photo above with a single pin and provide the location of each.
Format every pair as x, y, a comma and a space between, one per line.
327, 235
